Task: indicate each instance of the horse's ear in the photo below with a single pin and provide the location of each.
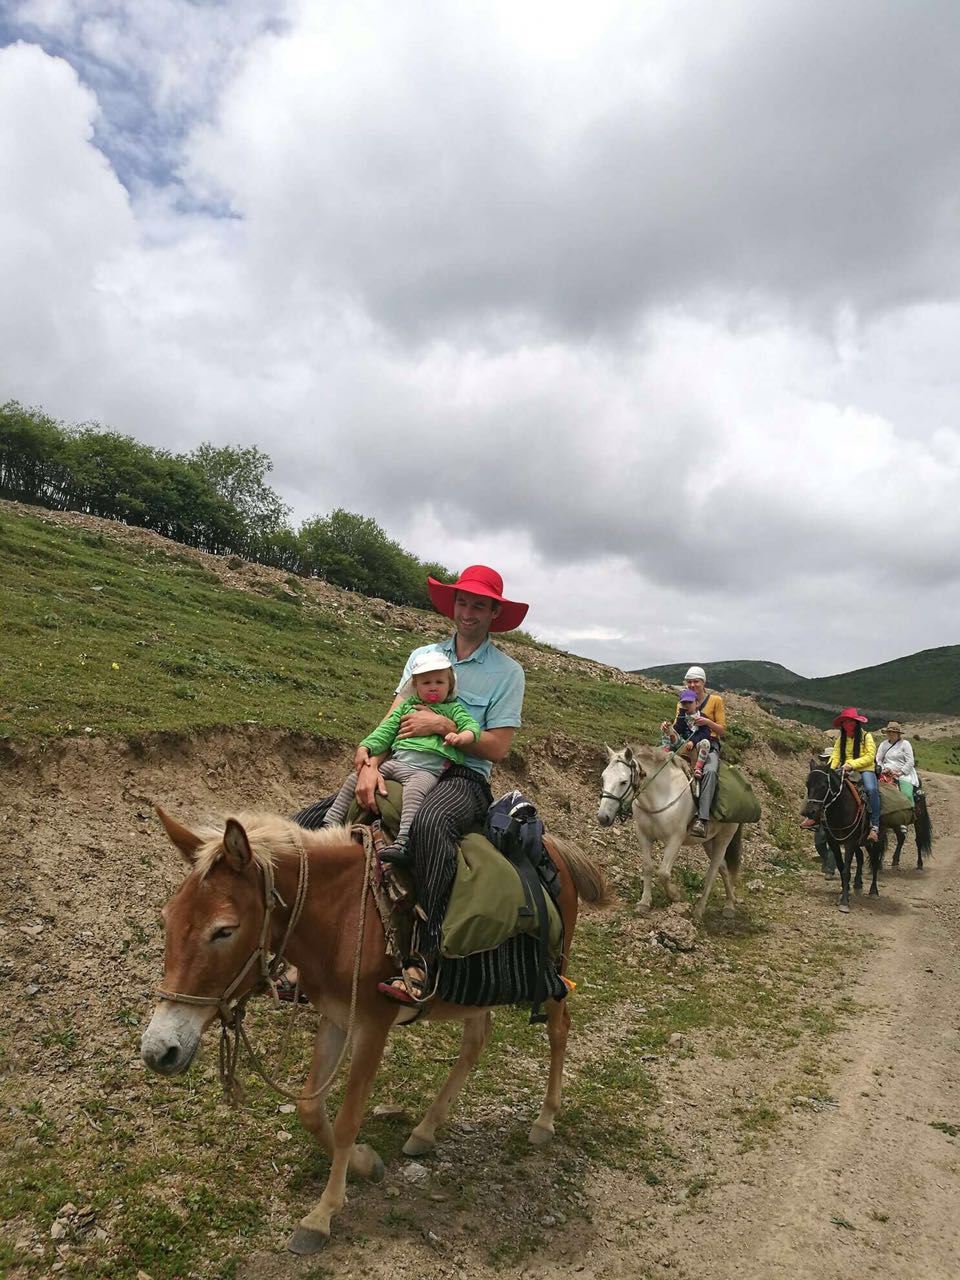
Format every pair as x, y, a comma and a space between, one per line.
236, 846
628, 754
609, 750
185, 840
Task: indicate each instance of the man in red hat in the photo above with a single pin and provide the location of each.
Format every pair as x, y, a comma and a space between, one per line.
490, 685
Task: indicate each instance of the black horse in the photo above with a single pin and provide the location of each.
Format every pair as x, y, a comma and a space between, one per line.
922, 829
841, 810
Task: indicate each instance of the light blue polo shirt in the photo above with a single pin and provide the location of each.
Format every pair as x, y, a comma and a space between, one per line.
489, 684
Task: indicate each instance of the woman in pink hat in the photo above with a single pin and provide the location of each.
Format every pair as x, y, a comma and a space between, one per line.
856, 750
490, 686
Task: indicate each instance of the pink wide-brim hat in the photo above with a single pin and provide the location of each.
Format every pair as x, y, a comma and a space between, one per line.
478, 580
849, 713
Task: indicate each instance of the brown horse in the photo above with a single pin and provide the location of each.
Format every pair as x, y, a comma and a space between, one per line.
218, 933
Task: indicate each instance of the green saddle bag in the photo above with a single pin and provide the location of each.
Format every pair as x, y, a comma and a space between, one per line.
734, 800
487, 903
896, 809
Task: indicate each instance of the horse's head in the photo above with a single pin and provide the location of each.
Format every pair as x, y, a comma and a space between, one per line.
822, 787
619, 782
213, 926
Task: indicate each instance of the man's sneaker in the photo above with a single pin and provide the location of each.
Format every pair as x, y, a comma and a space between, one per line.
698, 828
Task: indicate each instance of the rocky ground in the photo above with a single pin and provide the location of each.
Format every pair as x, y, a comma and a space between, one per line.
814, 1134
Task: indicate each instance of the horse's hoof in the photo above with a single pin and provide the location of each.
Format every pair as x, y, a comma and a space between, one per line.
415, 1146
845, 908
643, 908
378, 1168
305, 1242
874, 893
729, 913
539, 1135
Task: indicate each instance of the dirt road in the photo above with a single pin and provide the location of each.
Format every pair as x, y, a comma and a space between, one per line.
876, 1162
865, 1182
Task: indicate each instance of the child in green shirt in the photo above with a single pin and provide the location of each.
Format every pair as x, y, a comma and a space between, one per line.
418, 762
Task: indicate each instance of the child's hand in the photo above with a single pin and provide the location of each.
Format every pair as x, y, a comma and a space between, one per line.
463, 739
360, 759
666, 727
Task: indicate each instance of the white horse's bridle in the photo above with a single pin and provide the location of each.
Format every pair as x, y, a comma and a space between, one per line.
631, 789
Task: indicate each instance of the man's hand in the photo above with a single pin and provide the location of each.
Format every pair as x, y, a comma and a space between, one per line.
422, 722
370, 784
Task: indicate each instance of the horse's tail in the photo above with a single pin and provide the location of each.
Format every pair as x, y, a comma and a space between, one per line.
732, 855
588, 879
921, 822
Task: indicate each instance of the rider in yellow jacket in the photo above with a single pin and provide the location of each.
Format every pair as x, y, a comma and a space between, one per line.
855, 749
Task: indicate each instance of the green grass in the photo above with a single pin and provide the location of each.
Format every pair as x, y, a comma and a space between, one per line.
940, 755
103, 636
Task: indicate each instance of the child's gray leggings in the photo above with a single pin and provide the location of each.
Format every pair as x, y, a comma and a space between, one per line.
416, 784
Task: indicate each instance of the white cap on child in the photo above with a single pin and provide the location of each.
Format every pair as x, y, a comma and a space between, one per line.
423, 664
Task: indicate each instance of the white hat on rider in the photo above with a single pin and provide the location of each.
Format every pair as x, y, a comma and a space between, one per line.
696, 673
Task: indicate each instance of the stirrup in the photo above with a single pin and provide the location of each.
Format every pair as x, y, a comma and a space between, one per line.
406, 989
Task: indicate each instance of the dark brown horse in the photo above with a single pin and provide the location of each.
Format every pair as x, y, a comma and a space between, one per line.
234, 908
833, 802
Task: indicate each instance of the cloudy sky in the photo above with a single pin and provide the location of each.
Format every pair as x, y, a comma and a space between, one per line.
654, 305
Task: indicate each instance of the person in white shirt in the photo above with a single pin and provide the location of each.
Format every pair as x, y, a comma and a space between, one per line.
895, 758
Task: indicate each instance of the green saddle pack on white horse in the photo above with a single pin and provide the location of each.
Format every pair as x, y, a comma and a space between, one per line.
734, 800
488, 904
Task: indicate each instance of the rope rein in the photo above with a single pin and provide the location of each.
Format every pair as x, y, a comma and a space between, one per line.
232, 1031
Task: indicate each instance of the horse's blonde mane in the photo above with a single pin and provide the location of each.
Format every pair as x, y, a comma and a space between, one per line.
269, 837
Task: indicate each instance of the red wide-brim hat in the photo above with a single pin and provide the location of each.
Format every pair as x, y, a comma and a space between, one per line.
478, 580
849, 713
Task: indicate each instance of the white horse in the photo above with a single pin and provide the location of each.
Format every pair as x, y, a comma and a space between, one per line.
656, 787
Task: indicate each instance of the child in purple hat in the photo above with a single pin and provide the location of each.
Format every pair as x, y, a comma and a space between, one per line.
697, 737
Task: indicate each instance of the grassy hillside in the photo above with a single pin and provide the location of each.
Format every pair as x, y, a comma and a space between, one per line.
921, 683
123, 632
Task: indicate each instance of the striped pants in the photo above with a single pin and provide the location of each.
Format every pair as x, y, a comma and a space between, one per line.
458, 802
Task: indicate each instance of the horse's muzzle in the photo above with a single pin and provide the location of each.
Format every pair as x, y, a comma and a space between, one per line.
169, 1044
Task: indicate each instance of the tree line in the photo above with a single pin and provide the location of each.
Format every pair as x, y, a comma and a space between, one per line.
216, 499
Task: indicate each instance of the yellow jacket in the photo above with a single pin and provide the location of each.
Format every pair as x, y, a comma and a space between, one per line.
864, 762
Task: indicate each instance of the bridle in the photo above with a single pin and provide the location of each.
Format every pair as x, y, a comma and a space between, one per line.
637, 785
625, 800
831, 799
232, 1009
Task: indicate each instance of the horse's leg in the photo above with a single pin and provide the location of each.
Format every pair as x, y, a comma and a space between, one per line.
670, 850
729, 888
368, 1042
312, 1111
646, 867
845, 863
717, 851
901, 837
476, 1032
858, 879
558, 1028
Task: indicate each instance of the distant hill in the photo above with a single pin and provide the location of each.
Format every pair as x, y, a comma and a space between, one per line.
743, 673
920, 684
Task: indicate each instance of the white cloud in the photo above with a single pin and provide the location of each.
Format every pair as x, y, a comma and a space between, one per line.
656, 309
